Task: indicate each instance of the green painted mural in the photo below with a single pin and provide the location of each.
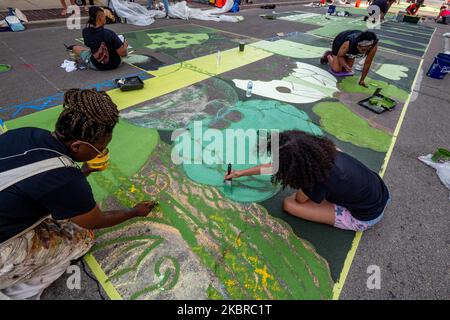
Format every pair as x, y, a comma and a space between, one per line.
251, 114
392, 71
341, 122
200, 244
350, 84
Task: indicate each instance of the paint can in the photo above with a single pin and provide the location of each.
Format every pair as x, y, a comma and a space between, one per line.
241, 46
440, 66
100, 162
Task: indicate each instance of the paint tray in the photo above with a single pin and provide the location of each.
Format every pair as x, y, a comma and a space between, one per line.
130, 83
378, 103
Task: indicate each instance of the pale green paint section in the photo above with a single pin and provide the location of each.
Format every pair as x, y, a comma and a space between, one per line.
350, 84
128, 153
136, 58
290, 49
256, 114
129, 149
392, 71
341, 122
170, 40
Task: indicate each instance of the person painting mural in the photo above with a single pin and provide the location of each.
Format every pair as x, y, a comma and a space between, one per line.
349, 45
332, 187
104, 49
47, 218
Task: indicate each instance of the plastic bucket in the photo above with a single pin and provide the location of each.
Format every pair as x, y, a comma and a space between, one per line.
440, 66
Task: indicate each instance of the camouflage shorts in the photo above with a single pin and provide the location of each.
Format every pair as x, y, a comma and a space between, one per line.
37, 251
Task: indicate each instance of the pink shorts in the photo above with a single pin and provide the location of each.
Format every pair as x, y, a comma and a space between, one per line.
345, 220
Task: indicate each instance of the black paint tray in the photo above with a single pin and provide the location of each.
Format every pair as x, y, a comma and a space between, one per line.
130, 83
378, 108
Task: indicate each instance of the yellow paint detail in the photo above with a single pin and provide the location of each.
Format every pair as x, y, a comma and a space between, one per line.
177, 76
238, 241
102, 278
264, 275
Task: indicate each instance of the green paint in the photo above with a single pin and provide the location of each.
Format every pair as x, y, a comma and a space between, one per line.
290, 49
180, 40
214, 294
255, 115
129, 160
45, 119
382, 102
136, 58
392, 71
350, 85
4, 67
336, 25
244, 243
341, 122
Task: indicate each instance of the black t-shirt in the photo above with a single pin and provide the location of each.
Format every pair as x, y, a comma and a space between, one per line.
382, 4
353, 186
64, 192
93, 37
352, 37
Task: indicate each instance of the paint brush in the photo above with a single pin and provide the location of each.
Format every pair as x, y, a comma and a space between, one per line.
227, 183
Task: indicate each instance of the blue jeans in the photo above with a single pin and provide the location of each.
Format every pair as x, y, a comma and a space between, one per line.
165, 3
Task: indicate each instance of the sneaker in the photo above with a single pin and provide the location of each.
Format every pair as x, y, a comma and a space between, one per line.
324, 59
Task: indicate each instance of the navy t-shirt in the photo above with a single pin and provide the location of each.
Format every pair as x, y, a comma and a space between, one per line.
354, 186
93, 37
382, 4
64, 192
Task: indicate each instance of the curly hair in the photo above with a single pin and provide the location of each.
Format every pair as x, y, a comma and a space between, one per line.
304, 159
87, 115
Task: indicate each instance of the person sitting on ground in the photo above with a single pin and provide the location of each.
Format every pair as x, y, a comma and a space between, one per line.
35, 249
444, 15
104, 48
349, 45
383, 5
413, 8
332, 187
64, 6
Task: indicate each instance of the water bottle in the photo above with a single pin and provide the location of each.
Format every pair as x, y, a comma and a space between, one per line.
249, 89
218, 57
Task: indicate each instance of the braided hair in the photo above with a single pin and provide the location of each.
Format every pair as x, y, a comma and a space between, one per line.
304, 159
87, 115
